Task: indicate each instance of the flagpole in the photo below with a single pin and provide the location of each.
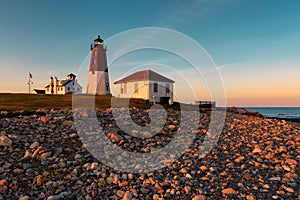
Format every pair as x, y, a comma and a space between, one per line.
29, 83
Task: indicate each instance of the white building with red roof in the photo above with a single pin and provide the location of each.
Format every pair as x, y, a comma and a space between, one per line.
147, 85
67, 86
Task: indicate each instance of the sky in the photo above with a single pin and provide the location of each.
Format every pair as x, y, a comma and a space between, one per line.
255, 45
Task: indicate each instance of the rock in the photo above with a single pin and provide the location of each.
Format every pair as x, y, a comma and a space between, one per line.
229, 191
269, 156
1, 170
130, 176
199, 197
3, 189
172, 127
45, 155
18, 171
43, 119
155, 197
291, 162
203, 168
275, 179
109, 180
27, 154
188, 176
3, 182
39, 180
26, 166
55, 197
24, 198
94, 166
5, 141
120, 193
250, 197
34, 145
67, 123
5, 124
239, 159
127, 196
77, 156
13, 137
289, 190
114, 137
286, 168
73, 135
57, 151
256, 150
144, 190
187, 189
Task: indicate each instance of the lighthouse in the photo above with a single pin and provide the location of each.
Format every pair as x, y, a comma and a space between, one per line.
98, 80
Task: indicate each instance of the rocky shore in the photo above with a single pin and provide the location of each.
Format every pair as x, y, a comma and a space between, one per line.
42, 157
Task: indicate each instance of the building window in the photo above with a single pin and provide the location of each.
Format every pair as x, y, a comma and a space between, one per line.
167, 88
73, 82
136, 88
155, 87
93, 72
68, 88
47, 89
125, 88
121, 90
78, 89
94, 61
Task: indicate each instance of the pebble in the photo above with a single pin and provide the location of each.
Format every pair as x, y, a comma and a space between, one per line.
34, 145
127, 195
254, 155
250, 197
228, 191
39, 180
77, 156
5, 141
199, 197
45, 155
3, 182
24, 198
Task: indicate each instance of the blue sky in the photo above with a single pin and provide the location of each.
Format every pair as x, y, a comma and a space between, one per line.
260, 40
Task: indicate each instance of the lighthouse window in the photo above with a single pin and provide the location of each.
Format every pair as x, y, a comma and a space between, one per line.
155, 87
94, 61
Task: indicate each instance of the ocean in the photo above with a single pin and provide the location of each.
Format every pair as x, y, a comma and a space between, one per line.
279, 112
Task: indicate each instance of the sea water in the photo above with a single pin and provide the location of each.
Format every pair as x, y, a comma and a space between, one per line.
279, 112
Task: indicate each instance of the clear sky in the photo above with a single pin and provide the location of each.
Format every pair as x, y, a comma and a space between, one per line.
260, 40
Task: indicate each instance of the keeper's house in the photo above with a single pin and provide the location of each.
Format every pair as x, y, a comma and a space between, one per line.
68, 86
147, 85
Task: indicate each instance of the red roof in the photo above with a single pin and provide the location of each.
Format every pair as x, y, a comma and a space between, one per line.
144, 75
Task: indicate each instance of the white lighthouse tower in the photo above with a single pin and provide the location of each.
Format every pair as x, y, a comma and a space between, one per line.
98, 80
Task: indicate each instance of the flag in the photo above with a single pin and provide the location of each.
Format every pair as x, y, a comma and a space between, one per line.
30, 75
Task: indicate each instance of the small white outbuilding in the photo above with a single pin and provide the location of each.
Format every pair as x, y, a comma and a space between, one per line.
147, 85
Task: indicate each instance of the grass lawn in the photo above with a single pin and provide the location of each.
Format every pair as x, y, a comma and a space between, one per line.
30, 102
